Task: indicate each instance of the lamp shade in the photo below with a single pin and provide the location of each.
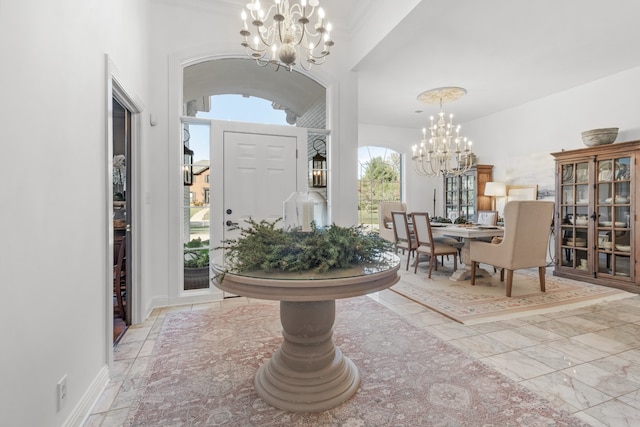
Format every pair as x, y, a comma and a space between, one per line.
496, 189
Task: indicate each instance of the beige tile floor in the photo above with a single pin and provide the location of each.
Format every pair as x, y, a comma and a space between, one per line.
585, 360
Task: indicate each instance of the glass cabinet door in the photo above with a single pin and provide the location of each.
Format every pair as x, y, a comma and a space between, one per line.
451, 196
613, 207
468, 196
575, 218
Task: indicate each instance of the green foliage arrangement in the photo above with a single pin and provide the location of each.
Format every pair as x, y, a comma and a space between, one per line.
197, 258
441, 219
263, 246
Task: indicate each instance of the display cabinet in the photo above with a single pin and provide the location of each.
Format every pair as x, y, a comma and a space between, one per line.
464, 194
595, 221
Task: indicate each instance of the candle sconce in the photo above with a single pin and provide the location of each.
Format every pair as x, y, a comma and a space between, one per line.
318, 165
187, 165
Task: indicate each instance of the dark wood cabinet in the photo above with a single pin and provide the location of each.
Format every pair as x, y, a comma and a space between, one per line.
595, 218
464, 194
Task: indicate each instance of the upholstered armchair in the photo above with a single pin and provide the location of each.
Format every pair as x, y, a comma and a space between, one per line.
527, 224
384, 218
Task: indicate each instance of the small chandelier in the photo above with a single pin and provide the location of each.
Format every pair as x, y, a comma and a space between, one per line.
444, 151
289, 36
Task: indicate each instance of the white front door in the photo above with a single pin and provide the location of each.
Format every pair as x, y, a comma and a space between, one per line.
255, 169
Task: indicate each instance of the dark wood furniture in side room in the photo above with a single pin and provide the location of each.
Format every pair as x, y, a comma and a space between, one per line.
595, 222
120, 277
464, 194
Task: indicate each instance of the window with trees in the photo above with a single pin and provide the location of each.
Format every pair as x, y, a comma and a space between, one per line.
379, 180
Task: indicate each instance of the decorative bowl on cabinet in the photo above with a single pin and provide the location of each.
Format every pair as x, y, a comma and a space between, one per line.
595, 137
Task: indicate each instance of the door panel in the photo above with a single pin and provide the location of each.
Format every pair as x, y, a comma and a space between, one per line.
257, 171
259, 174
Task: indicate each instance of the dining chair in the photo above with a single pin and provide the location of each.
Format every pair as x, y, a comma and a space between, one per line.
527, 224
428, 246
404, 239
120, 277
487, 217
385, 223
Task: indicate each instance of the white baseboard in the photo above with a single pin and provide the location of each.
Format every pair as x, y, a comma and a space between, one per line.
81, 412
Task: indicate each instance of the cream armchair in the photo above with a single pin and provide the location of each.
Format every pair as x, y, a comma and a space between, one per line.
385, 221
527, 224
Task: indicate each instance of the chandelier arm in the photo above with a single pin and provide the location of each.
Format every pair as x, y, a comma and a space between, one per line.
255, 54
302, 64
278, 27
263, 63
262, 39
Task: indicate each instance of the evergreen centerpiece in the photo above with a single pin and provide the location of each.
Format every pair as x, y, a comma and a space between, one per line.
263, 246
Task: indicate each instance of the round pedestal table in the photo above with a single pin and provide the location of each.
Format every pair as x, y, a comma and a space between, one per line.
308, 373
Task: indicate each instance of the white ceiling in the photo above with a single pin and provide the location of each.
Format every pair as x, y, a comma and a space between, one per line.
504, 52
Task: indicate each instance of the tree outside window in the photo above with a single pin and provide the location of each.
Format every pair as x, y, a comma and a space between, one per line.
378, 181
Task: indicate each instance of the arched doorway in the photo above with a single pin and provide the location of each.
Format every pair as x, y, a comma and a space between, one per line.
379, 180
301, 99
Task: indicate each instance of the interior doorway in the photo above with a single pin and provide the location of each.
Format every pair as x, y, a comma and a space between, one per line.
122, 243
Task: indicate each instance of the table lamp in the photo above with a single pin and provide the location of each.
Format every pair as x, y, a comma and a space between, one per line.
495, 189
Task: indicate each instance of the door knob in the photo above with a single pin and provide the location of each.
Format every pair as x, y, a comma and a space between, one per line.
229, 211
230, 223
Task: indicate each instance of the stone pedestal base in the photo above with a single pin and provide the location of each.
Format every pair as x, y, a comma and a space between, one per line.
308, 373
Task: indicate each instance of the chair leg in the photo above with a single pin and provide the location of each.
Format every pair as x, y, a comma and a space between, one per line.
455, 262
473, 272
541, 273
408, 258
509, 281
415, 264
502, 274
431, 259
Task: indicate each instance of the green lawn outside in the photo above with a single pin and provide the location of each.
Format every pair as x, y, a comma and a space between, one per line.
368, 217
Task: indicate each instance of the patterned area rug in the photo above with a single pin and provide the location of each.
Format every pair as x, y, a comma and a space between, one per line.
487, 301
201, 374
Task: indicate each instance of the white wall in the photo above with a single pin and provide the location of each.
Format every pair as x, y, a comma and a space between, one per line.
519, 141
53, 243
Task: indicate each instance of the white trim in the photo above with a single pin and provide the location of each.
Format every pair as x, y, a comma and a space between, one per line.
82, 410
116, 87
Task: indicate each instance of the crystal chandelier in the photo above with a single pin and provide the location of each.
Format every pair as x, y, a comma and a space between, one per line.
443, 151
284, 34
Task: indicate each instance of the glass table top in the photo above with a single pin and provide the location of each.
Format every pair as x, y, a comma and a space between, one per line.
389, 262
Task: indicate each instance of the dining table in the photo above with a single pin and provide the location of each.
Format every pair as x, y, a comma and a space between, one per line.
467, 232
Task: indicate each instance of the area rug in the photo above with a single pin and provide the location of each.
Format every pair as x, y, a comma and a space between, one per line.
202, 368
487, 300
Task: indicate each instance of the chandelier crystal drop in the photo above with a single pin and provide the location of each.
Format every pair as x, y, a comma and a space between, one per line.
442, 150
285, 35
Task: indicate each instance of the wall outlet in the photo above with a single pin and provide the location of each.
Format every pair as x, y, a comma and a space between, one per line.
62, 391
